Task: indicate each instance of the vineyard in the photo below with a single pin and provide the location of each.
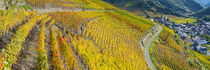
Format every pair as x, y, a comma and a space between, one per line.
99, 37
169, 55
83, 35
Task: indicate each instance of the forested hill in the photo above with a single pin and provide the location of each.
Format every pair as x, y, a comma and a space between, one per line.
205, 3
179, 6
203, 12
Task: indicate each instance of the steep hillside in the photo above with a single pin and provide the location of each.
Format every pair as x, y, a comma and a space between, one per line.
169, 6
83, 35
71, 35
204, 2
170, 53
202, 13
207, 5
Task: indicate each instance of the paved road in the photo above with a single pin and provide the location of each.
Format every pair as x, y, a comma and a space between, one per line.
147, 55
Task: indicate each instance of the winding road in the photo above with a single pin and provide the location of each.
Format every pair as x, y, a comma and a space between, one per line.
147, 55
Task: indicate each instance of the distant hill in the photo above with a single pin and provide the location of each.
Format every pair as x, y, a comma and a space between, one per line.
202, 13
168, 6
205, 3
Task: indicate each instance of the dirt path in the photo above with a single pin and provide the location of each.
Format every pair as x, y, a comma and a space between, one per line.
61, 10
27, 59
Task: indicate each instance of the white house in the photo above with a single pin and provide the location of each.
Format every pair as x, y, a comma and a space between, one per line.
201, 41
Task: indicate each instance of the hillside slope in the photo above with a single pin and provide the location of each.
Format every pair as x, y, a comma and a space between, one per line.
81, 35
179, 6
202, 13
207, 5
204, 2
170, 53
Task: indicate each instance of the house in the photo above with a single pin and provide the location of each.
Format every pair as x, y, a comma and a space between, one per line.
158, 19
201, 32
201, 41
194, 45
192, 35
208, 53
189, 41
208, 33
203, 50
183, 37
152, 19
170, 27
184, 34
208, 23
167, 25
180, 32
194, 48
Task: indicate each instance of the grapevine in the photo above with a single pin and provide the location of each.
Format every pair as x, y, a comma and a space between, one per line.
42, 53
9, 55
56, 59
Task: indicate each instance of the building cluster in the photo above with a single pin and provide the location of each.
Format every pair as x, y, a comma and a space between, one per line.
190, 33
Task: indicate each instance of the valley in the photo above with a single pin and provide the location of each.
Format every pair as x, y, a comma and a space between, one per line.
190, 33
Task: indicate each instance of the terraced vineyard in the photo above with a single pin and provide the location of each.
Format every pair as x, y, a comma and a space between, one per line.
168, 53
98, 37
83, 35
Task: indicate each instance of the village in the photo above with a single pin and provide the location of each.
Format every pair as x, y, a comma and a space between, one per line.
190, 33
